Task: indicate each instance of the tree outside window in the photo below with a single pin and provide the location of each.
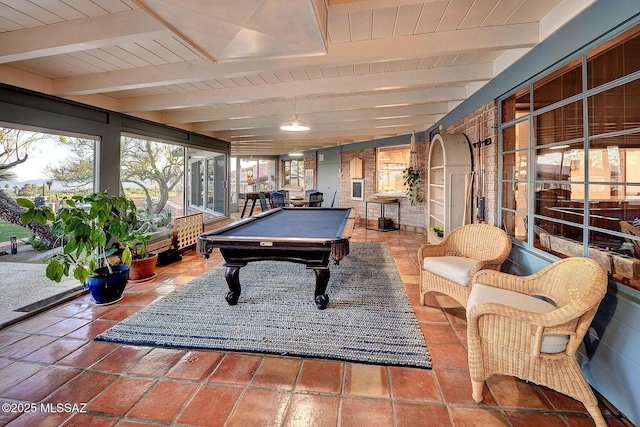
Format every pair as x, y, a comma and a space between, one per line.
294, 173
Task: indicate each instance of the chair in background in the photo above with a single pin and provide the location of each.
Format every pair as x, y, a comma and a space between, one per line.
285, 193
448, 266
308, 193
530, 327
263, 201
315, 200
277, 199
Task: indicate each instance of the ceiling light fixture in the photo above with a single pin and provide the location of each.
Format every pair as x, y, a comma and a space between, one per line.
296, 154
296, 125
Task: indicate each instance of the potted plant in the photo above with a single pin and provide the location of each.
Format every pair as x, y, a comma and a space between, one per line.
411, 178
94, 232
143, 262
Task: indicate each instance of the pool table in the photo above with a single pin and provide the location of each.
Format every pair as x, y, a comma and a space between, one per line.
310, 236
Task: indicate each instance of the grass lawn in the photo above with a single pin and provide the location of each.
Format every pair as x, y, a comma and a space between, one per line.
8, 230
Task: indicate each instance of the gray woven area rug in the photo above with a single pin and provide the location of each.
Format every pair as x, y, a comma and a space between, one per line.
369, 318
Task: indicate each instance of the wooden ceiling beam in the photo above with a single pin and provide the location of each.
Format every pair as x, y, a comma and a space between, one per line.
310, 106
430, 45
336, 85
79, 35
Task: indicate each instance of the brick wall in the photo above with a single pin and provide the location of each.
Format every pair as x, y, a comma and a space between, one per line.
412, 218
310, 162
368, 157
479, 124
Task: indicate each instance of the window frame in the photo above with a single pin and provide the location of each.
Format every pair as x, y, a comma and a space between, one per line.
204, 159
301, 174
588, 227
381, 179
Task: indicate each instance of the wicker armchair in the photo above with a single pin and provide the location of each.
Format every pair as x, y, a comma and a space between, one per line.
448, 267
530, 327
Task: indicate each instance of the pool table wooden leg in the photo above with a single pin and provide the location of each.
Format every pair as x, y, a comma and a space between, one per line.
322, 279
232, 274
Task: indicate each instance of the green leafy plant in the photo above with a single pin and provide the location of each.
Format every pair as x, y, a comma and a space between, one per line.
164, 218
92, 229
155, 221
411, 178
137, 241
37, 244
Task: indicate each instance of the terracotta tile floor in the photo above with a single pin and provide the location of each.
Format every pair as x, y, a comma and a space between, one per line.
51, 359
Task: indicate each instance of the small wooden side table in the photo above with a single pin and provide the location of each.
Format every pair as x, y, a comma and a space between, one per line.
383, 221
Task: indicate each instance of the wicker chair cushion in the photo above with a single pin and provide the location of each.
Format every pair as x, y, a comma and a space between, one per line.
454, 268
484, 293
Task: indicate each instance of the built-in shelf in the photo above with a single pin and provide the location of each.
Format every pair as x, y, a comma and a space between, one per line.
449, 167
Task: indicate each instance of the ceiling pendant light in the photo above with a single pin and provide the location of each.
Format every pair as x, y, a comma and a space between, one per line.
296, 125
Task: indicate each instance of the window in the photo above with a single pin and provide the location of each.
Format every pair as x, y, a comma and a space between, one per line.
152, 175
515, 174
45, 165
44, 168
257, 175
207, 177
294, 173
516, 105
561, 84
391, 161
570, 166
233, 181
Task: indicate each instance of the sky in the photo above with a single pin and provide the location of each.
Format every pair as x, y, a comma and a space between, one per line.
40, 157
45, 153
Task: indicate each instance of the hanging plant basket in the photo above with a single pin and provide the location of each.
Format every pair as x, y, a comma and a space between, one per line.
411, 178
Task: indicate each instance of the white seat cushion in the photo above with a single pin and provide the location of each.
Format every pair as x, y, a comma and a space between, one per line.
484, 293
455, 268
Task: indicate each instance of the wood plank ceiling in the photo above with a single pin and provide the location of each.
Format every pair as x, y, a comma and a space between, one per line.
353, 70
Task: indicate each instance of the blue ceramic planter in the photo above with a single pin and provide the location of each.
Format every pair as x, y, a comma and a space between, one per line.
107, 289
